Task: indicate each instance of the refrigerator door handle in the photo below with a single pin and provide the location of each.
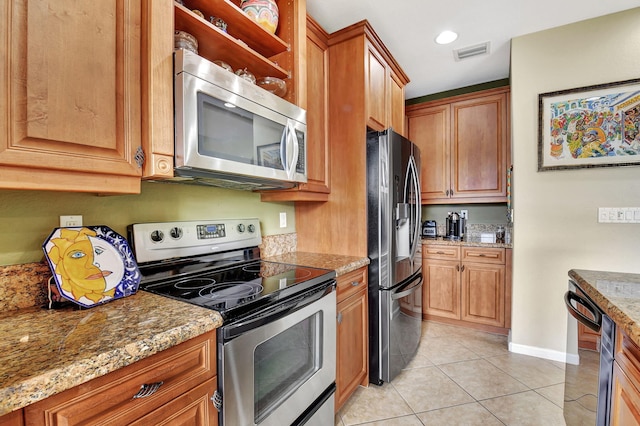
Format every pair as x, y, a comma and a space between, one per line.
415, 182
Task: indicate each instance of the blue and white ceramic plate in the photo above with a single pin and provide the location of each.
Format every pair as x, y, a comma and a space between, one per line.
91, 265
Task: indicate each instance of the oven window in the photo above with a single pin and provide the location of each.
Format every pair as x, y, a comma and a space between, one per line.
284, 362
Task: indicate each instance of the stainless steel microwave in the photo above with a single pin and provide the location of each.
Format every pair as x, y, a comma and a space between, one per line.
232, 133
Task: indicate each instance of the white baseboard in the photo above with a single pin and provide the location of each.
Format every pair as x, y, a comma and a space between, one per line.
544, 353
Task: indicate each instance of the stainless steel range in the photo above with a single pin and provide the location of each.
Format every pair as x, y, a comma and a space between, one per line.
276, 348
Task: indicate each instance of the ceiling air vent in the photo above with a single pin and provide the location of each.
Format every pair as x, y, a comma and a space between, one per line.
468, 52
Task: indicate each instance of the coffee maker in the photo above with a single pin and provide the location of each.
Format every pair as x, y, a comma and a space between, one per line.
456, 226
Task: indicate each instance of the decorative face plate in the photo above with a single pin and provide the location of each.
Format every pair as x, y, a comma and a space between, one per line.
91, 265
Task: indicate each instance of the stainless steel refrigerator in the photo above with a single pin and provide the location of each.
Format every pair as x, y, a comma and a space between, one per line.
395, 271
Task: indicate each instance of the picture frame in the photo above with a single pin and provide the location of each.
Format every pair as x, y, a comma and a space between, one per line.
592, 126
269, 156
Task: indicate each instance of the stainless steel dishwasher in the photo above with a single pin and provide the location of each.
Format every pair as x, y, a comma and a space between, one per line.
587, 386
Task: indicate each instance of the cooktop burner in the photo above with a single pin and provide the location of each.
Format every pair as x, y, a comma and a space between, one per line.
226, 288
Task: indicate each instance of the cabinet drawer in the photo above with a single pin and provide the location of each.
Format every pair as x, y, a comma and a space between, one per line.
349, 284
628, 356
110, 399
483, 255
440, 252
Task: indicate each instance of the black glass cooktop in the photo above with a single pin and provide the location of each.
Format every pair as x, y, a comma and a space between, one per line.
236, 288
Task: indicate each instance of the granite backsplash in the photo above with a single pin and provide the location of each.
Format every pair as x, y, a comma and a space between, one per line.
25, 285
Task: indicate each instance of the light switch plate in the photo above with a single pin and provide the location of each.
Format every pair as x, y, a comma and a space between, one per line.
618, 214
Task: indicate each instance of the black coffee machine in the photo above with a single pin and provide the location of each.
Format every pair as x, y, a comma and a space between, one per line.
456, 226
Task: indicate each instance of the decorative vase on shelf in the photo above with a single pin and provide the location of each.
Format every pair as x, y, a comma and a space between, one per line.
264, 12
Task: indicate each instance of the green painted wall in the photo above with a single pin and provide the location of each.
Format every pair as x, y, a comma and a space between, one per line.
28, 217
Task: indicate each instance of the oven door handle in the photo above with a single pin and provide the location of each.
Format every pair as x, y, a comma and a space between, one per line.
275, 313
594, 324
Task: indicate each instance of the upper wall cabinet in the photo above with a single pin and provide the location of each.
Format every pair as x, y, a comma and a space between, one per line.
464, 144
361, 70
245, 44
70, 95
317, 187
385, 92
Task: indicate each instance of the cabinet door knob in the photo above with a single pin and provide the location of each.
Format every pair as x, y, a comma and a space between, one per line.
447, 192
147, 390
339, 317
457, 267
462, 269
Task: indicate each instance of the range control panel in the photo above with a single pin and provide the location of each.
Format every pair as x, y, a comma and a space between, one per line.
167, 240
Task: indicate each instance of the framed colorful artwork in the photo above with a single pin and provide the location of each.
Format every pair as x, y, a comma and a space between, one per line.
594, 126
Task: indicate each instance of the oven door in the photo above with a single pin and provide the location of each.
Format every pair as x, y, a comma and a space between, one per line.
275, 366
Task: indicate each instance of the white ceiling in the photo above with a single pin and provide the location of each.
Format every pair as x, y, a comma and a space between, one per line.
408, 29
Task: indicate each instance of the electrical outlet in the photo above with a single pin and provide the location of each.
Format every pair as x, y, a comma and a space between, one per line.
283, 219
464, 214
70, 221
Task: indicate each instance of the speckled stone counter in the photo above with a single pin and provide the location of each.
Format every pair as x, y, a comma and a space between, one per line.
341, 264
44, 352
617, 294
467, 243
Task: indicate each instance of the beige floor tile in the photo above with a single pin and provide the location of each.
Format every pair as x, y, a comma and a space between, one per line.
373, 403
443, 350
428, 389
466, 377
486, 344
553, 393
398, 421
481, 379
472, 414
533, 372
524, 409
419, 361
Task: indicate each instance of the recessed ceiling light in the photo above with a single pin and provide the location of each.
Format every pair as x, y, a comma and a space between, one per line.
446, 37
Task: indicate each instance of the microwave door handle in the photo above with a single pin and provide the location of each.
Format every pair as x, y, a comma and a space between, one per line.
292, 146
289, 144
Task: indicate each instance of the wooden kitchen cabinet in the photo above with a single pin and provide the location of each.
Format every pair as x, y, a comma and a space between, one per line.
186, 375
318, 157
357, 59
466, 286
245, 45
352, 344
464, 145
14, 418
625, 395
70, 96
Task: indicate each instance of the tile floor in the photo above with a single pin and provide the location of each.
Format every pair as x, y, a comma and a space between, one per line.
462, 377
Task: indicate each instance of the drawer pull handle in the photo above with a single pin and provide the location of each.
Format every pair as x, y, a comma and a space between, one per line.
339, 318
147, 390
355, 283
439, 252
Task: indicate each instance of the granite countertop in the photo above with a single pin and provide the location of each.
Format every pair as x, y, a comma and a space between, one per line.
341, 264
617, 294
44, 352
473, 242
